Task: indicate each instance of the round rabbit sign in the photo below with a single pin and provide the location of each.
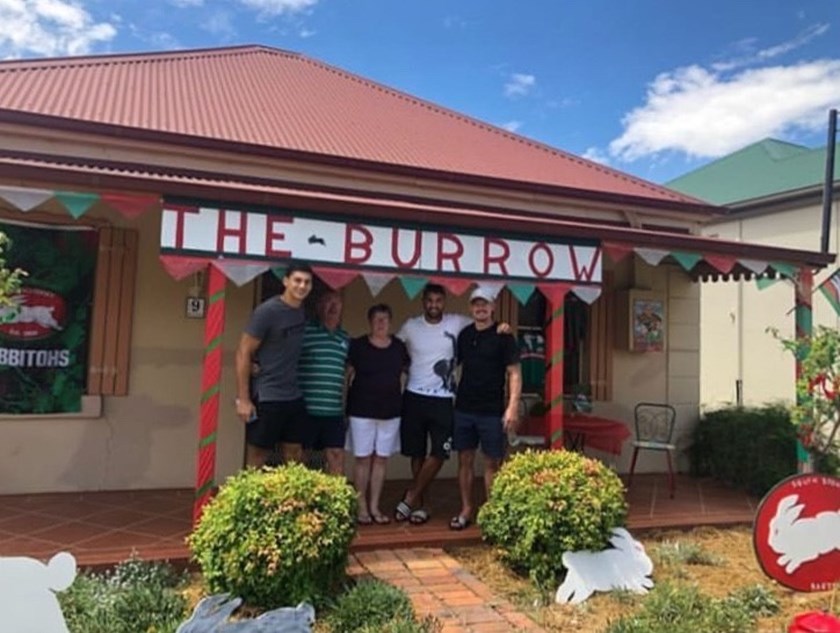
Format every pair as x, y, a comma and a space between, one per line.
797, 532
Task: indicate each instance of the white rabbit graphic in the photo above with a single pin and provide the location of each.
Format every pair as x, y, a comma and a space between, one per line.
28, 603
626, 567
802, 540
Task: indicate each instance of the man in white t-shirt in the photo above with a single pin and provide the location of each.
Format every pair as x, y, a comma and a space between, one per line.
431, 340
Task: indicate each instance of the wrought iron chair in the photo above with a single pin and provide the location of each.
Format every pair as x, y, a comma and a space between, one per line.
654, 432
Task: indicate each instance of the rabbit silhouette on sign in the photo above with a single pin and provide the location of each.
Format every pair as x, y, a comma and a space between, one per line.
28, 603
798, 540
625, 567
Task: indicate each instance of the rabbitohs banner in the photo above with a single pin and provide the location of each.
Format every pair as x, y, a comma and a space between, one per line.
44, 337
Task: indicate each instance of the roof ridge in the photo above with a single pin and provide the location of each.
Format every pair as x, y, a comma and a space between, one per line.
495, 129
721, 159
129, 58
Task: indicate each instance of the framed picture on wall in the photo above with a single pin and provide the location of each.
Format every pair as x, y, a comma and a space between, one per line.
643, 321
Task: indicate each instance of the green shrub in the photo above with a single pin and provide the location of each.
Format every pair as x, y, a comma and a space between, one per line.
370, 604
684, 553
672, 608
137, 597
545, 503
276, 537
748, 448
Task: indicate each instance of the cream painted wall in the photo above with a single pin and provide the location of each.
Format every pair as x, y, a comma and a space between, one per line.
735, 316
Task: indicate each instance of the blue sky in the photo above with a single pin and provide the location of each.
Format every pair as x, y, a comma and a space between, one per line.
652, 87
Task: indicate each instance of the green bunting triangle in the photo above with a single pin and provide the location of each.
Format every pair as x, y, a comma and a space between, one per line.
765, 282
686, 260
77, 203
279, 271
788, 270
522, 292
413, 285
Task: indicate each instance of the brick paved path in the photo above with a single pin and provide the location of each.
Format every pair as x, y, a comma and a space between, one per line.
439, 586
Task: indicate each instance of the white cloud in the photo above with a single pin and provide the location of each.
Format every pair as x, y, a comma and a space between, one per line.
305, 33
454, 22
279, 7
184, 4
49, 28
511, 126
596, 155
705, 113
219, 23
519, 85
747, 45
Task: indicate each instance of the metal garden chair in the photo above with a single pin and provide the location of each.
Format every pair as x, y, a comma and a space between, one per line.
654, 432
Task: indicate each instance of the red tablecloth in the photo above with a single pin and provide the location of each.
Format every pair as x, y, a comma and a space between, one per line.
596, 432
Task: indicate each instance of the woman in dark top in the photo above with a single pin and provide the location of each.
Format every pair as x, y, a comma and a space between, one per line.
374, 401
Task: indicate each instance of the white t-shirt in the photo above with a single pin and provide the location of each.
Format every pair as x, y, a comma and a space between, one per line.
432, 348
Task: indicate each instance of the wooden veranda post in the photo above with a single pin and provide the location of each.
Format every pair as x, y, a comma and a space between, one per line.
804, 330
211, 376
555, 351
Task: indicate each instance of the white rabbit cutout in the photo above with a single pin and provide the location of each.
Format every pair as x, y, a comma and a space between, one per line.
28, 603
625, 567
799, 541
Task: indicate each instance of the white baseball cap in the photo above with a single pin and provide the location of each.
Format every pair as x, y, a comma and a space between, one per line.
482, 293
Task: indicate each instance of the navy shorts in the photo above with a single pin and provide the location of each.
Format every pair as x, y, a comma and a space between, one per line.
280, 422
424, 419
324, 431
472, 429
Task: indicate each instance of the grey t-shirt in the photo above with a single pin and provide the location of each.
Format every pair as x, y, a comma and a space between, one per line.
279, 327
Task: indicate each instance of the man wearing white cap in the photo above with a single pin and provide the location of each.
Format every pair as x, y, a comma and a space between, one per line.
488, 359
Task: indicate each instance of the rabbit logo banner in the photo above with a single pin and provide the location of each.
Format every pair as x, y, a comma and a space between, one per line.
44, 333
797, 532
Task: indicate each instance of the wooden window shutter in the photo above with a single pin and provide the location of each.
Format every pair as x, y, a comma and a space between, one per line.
601, 320
113, 310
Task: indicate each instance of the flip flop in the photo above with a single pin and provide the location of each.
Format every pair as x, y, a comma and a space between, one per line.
419, 517
403, 511
380, 519
459, 523
364, 520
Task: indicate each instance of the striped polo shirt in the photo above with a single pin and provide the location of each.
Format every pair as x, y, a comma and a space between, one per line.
321, 369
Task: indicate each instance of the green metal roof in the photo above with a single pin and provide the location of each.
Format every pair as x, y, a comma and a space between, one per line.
762, 169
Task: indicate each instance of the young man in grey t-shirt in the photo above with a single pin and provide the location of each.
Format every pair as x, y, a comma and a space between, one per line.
273, 338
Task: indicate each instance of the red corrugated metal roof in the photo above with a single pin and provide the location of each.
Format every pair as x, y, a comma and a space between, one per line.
267, 97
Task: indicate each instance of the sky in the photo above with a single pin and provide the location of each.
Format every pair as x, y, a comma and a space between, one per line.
655, 88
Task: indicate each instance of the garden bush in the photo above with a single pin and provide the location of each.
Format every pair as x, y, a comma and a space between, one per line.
545, 503
752, 448
276, 537
370, 604
137, 597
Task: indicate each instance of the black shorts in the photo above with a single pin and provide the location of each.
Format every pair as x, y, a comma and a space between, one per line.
324, 431
277, 423
426, 417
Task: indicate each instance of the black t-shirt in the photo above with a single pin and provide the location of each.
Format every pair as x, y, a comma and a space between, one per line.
376, 391
484, 356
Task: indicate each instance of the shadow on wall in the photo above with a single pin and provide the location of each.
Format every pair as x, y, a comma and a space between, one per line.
133, 428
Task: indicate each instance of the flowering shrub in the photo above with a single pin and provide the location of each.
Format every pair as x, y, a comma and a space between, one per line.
545, 503
276, 537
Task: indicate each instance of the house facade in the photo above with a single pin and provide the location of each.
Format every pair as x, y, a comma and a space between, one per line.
195, 175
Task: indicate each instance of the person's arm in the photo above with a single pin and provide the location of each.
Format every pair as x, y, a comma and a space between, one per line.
514, 380
248, 346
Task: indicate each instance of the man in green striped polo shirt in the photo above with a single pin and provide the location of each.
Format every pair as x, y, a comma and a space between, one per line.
321, 373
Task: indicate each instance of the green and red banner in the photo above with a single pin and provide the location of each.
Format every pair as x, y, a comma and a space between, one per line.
44, 334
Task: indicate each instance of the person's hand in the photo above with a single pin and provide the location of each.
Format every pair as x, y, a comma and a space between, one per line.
504, 328
245, 409
510, 420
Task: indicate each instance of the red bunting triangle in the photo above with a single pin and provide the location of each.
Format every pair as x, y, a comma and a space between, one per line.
128, 204
553, 291
723, 263
180, 267
335, 278
456, 285
616, 251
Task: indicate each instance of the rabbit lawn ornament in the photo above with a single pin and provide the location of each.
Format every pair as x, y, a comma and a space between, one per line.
211, 616
802, 540
28, 603
625, 567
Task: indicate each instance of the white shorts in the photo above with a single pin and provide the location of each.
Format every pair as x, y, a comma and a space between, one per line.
368, 436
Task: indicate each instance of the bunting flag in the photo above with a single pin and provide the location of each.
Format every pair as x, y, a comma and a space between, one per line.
25, 199
721, 263
753, 265
687, 260
335, 278
240, 273
182, 267
278, 271
376, 282
130, 205
651, 256
77, 203
831, 290
522, 292
788, 270
493, 287
762, 283
412, 285
456, 285
616, 251
587, 294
